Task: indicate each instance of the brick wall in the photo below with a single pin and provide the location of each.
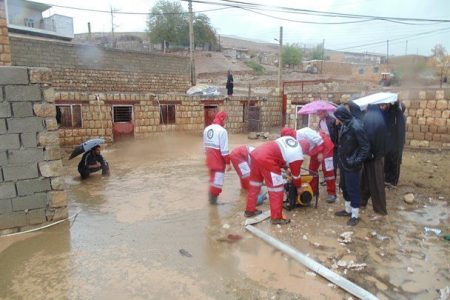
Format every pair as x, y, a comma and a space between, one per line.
80, 68
5, 53
427, 114
31, 191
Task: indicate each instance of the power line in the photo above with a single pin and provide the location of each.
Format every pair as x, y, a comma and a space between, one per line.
132, 13
397, 39
316, 12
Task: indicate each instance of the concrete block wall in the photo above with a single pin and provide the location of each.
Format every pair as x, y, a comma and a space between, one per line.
80, 68
31, 190
5, 51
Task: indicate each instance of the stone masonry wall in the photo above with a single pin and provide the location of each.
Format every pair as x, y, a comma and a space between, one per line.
31, 189
81, 68
5, 52
97, 118
427, 114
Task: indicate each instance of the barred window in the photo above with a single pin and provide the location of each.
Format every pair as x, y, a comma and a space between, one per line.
122, 113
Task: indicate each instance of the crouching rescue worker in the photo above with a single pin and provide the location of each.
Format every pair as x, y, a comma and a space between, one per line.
92, 161
353, 150
320, 148
267, 161
240, 158
215, 140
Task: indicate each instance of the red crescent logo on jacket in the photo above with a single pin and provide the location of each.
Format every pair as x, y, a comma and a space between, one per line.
210, 133
291, 143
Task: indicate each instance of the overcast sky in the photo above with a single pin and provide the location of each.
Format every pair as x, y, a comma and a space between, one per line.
236, 22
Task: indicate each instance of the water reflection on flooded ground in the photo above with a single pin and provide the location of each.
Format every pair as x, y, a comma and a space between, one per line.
148, 232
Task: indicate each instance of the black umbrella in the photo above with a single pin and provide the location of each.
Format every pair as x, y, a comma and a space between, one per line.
86, 146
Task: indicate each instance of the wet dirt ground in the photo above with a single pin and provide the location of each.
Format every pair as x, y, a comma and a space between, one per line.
148, 232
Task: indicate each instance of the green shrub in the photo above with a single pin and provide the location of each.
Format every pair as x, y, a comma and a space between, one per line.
259, 70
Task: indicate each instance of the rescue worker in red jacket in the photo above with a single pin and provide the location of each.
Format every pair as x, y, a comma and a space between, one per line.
320, 148
215, 140
240, 159
267, 162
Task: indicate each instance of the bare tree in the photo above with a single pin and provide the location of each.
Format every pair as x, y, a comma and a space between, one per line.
441, 61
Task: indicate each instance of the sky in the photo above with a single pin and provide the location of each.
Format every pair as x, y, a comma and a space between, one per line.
240, 23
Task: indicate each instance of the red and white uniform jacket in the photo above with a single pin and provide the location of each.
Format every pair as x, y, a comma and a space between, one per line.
215, 141
240, 157
284, 151
313, 142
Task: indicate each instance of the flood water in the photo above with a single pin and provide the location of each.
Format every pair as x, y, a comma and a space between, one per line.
148, 232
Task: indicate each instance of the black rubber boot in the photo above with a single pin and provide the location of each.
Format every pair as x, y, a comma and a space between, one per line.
212, 199
250, 214
342, 213
353, 222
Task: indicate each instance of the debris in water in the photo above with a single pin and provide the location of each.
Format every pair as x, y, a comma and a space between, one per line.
305, 237
410, 270
409, 198
226, 226
332, 285
185, 253
346, 237
436, 231
441, 198
373, 233
382, 237
317, 245
444, 293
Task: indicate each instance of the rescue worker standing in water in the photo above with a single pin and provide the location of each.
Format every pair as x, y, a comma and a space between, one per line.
267, 162
215, 141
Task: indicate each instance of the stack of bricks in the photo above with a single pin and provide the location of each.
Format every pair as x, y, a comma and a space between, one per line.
5, 52
427, 118
31, 189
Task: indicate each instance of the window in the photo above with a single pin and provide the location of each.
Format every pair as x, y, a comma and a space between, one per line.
69, 116
167, 114
302, 120
122, 113
376, 69
28, 22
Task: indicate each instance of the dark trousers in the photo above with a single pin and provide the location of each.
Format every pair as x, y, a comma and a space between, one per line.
392, 163
85, 172
372, 185
351, 186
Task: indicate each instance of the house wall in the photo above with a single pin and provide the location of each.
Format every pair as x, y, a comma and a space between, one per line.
89, 68
31, 189
5, 51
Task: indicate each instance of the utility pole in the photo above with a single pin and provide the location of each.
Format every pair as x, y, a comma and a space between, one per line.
89, 31
387, 52
191, 43
323, 56
112, 28
280, 63
406, 48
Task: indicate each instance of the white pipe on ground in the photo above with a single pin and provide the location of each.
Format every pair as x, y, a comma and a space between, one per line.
313, 265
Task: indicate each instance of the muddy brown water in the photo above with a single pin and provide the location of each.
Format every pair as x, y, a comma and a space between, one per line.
148, 232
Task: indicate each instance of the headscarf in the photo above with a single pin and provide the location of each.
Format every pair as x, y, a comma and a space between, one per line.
220, 118
343, 115
286, 131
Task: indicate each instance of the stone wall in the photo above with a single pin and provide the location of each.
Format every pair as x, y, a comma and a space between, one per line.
427, 118
97, 119
80, 68
31, 191
427, 113
5, 52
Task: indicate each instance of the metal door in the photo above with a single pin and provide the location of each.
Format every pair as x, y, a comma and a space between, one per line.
210, 114
253, 119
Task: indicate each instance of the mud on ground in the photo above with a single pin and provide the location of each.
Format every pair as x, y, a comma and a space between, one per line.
148, 232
